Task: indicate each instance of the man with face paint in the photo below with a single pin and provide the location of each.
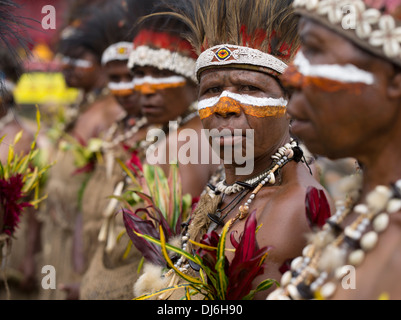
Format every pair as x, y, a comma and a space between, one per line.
346, 102
163, 65
242, 104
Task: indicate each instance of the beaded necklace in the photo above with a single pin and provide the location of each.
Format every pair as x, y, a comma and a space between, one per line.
285, 154
321, 266
123, 136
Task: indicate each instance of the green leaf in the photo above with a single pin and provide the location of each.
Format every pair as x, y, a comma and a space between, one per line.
264, 285
166, 246
223, 280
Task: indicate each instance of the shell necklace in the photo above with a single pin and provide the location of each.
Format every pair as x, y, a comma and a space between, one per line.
322, 264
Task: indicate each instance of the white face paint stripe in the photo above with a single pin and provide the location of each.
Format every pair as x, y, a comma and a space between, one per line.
341, 73
152, 80
80, 63
121, 85
243, 99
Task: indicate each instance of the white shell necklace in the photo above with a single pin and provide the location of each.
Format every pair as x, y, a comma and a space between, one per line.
279, 157
322, 264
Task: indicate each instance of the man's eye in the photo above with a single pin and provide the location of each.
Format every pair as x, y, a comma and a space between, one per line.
212, 90
138, 74
249, 88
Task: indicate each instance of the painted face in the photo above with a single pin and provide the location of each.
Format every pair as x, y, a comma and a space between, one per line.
241, 100
81, 69
164, 95
339, 102
122, 87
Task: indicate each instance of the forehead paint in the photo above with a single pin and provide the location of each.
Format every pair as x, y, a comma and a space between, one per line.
150, 84
229, 102
121, 88
329, 78
79, 63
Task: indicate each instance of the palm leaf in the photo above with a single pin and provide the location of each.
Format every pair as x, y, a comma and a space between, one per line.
220, 265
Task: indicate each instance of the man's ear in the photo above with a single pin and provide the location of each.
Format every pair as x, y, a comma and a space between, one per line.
394, 87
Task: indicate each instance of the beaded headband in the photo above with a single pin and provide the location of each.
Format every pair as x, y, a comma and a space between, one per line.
164, 52
227, 54
369, 24
117, 51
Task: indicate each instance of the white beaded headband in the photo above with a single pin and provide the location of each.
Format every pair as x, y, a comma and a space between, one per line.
370, 28
117, 51
163, 59
228, 54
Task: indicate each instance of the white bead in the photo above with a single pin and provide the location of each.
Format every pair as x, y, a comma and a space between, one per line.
184, 238
296, 263
286, 278
294, 292
394, 205
272, 178
398, 184
369, 241
307, 251
356, 257
353, 234
377, 199
328, 290
381, 222
361, 209
341, 272
275, 294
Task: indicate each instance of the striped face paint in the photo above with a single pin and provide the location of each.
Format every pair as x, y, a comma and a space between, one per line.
121, 88
149, 84
229, 102
77, 63
328, 78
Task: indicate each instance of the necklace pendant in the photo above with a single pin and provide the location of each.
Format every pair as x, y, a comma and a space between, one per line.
244, 211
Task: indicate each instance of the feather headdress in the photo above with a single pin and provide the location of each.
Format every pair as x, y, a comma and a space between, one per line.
227, 29
13, 36
160, 43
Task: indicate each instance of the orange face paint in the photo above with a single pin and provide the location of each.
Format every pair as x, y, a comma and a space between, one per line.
121, 88
293, 78
149, 85
329, 78
229, 102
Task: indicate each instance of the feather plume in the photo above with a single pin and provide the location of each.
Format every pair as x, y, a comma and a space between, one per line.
267, 25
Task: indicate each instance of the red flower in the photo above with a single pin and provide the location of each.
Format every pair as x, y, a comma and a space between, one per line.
134, 164
247, 263
10, 202
317, 207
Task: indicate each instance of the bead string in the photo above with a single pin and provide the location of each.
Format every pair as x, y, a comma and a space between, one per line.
279, 157
283, 156
309, 273
124, 136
